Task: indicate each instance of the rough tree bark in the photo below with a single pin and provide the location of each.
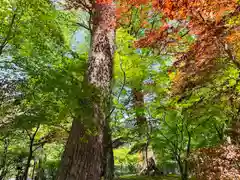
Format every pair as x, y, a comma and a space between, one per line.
138, 101
84, 154
108, 169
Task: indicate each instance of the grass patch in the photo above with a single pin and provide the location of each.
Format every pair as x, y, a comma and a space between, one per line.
148, 178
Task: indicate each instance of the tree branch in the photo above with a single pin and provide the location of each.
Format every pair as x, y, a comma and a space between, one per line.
84, 26
5, 41
120, 92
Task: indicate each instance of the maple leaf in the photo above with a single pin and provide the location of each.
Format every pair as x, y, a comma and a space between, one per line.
206, 19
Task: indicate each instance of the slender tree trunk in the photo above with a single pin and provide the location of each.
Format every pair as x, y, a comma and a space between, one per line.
146, 156
181, 169
25, 175
33, 171
40, 175
30, 155
4, 168
186, 170
180, 164
19, 168
142, 125
83, 158
138, 101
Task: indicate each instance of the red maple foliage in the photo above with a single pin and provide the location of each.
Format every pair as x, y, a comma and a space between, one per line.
104, 1
207, 20
125, 11
216, 163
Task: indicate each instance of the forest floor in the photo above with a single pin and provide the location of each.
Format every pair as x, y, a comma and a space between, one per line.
148, 178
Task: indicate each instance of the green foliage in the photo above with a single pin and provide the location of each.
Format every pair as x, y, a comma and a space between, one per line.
35, 45
148, 178
138, 147
125, 163
122, 156
46, 88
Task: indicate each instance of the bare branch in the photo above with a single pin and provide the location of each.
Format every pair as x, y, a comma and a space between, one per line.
84, 26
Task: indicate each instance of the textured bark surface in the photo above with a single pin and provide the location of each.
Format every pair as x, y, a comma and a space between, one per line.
138, 101
108, 156
84, 154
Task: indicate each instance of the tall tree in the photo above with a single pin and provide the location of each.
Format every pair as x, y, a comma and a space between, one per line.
84, 154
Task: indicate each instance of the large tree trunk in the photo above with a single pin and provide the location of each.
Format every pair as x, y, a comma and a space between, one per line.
84, 154
108, 156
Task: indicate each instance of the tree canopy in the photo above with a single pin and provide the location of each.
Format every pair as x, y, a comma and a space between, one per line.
153, 85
